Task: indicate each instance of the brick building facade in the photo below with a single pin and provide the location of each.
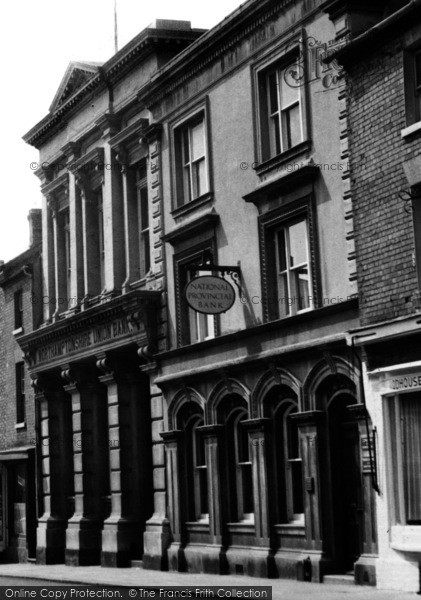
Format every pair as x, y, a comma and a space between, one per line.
20, 281
383, 77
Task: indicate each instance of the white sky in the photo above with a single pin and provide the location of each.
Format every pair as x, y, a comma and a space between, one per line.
37, 42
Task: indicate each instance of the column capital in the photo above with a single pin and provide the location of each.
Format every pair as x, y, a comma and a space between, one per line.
71, 150
211, 430
261, 424
311, 417
171, 437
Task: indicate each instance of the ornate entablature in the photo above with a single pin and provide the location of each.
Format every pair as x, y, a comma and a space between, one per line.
214, 55
128, 320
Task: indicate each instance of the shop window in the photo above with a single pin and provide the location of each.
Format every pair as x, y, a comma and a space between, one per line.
281, 108
20, 392
191, 160
18, 307
413, 86
403, 424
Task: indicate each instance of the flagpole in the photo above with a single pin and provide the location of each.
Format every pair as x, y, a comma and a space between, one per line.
115, 27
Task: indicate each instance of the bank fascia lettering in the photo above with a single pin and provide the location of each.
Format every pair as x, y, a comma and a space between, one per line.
87, 339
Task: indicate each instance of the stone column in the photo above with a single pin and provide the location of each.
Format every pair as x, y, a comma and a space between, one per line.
55, 445
173, 448
77, 292
49, 285
257, 432
311, 431
59, 265
90, 233
131, 232
90, 459
216, 561
115, 272
130, 463
157, 534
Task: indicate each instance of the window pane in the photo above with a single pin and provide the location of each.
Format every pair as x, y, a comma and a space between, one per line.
289, 94
199, 178
418, 69
186, 149
302, 288
273, 93
186, 184
297, 487
198, 141
298, 244
411, 452
274, 135
281, 250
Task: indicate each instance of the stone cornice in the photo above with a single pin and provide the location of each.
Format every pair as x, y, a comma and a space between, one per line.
118, 66
128, 133
55, 185
192, 227
140, 307
95, 156
382, 32
247, 18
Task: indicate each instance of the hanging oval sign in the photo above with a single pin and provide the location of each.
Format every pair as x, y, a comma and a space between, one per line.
209, 294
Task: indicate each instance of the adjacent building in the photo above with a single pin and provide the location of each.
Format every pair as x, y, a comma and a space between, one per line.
196, 439
20, 313
383, 67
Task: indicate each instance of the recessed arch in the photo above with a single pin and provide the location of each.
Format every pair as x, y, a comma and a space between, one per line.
182, 398
267, 382
336, 368
228, 387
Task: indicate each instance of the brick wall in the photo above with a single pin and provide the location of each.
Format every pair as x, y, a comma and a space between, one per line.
10, 354
384, 236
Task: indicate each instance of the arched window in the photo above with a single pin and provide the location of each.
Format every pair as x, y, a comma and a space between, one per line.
240, 482
287, 472
195, 468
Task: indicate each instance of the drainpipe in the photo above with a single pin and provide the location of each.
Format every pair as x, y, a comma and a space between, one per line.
371, 448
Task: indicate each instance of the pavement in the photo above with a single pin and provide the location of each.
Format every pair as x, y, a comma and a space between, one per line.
283, 589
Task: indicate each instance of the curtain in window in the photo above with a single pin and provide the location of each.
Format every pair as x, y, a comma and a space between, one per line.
411, 430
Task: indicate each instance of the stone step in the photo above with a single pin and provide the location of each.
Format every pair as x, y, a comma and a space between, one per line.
136, 564
339, 579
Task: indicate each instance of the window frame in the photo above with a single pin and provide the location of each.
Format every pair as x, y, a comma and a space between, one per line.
277, 61
269, 224
18, 308
141, 185
200, 112
20, 392
412, 91
393, 441
181, 260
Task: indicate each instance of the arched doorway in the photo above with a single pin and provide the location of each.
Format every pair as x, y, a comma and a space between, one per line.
346, 481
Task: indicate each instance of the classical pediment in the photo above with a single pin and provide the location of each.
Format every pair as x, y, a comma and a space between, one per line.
75, 77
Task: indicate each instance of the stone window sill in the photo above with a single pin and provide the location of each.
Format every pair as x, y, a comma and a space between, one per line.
193, 205
413, 129
21, 425
406, 538
283, 160
17, 331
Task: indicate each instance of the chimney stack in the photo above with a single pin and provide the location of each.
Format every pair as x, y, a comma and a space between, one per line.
35, 226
